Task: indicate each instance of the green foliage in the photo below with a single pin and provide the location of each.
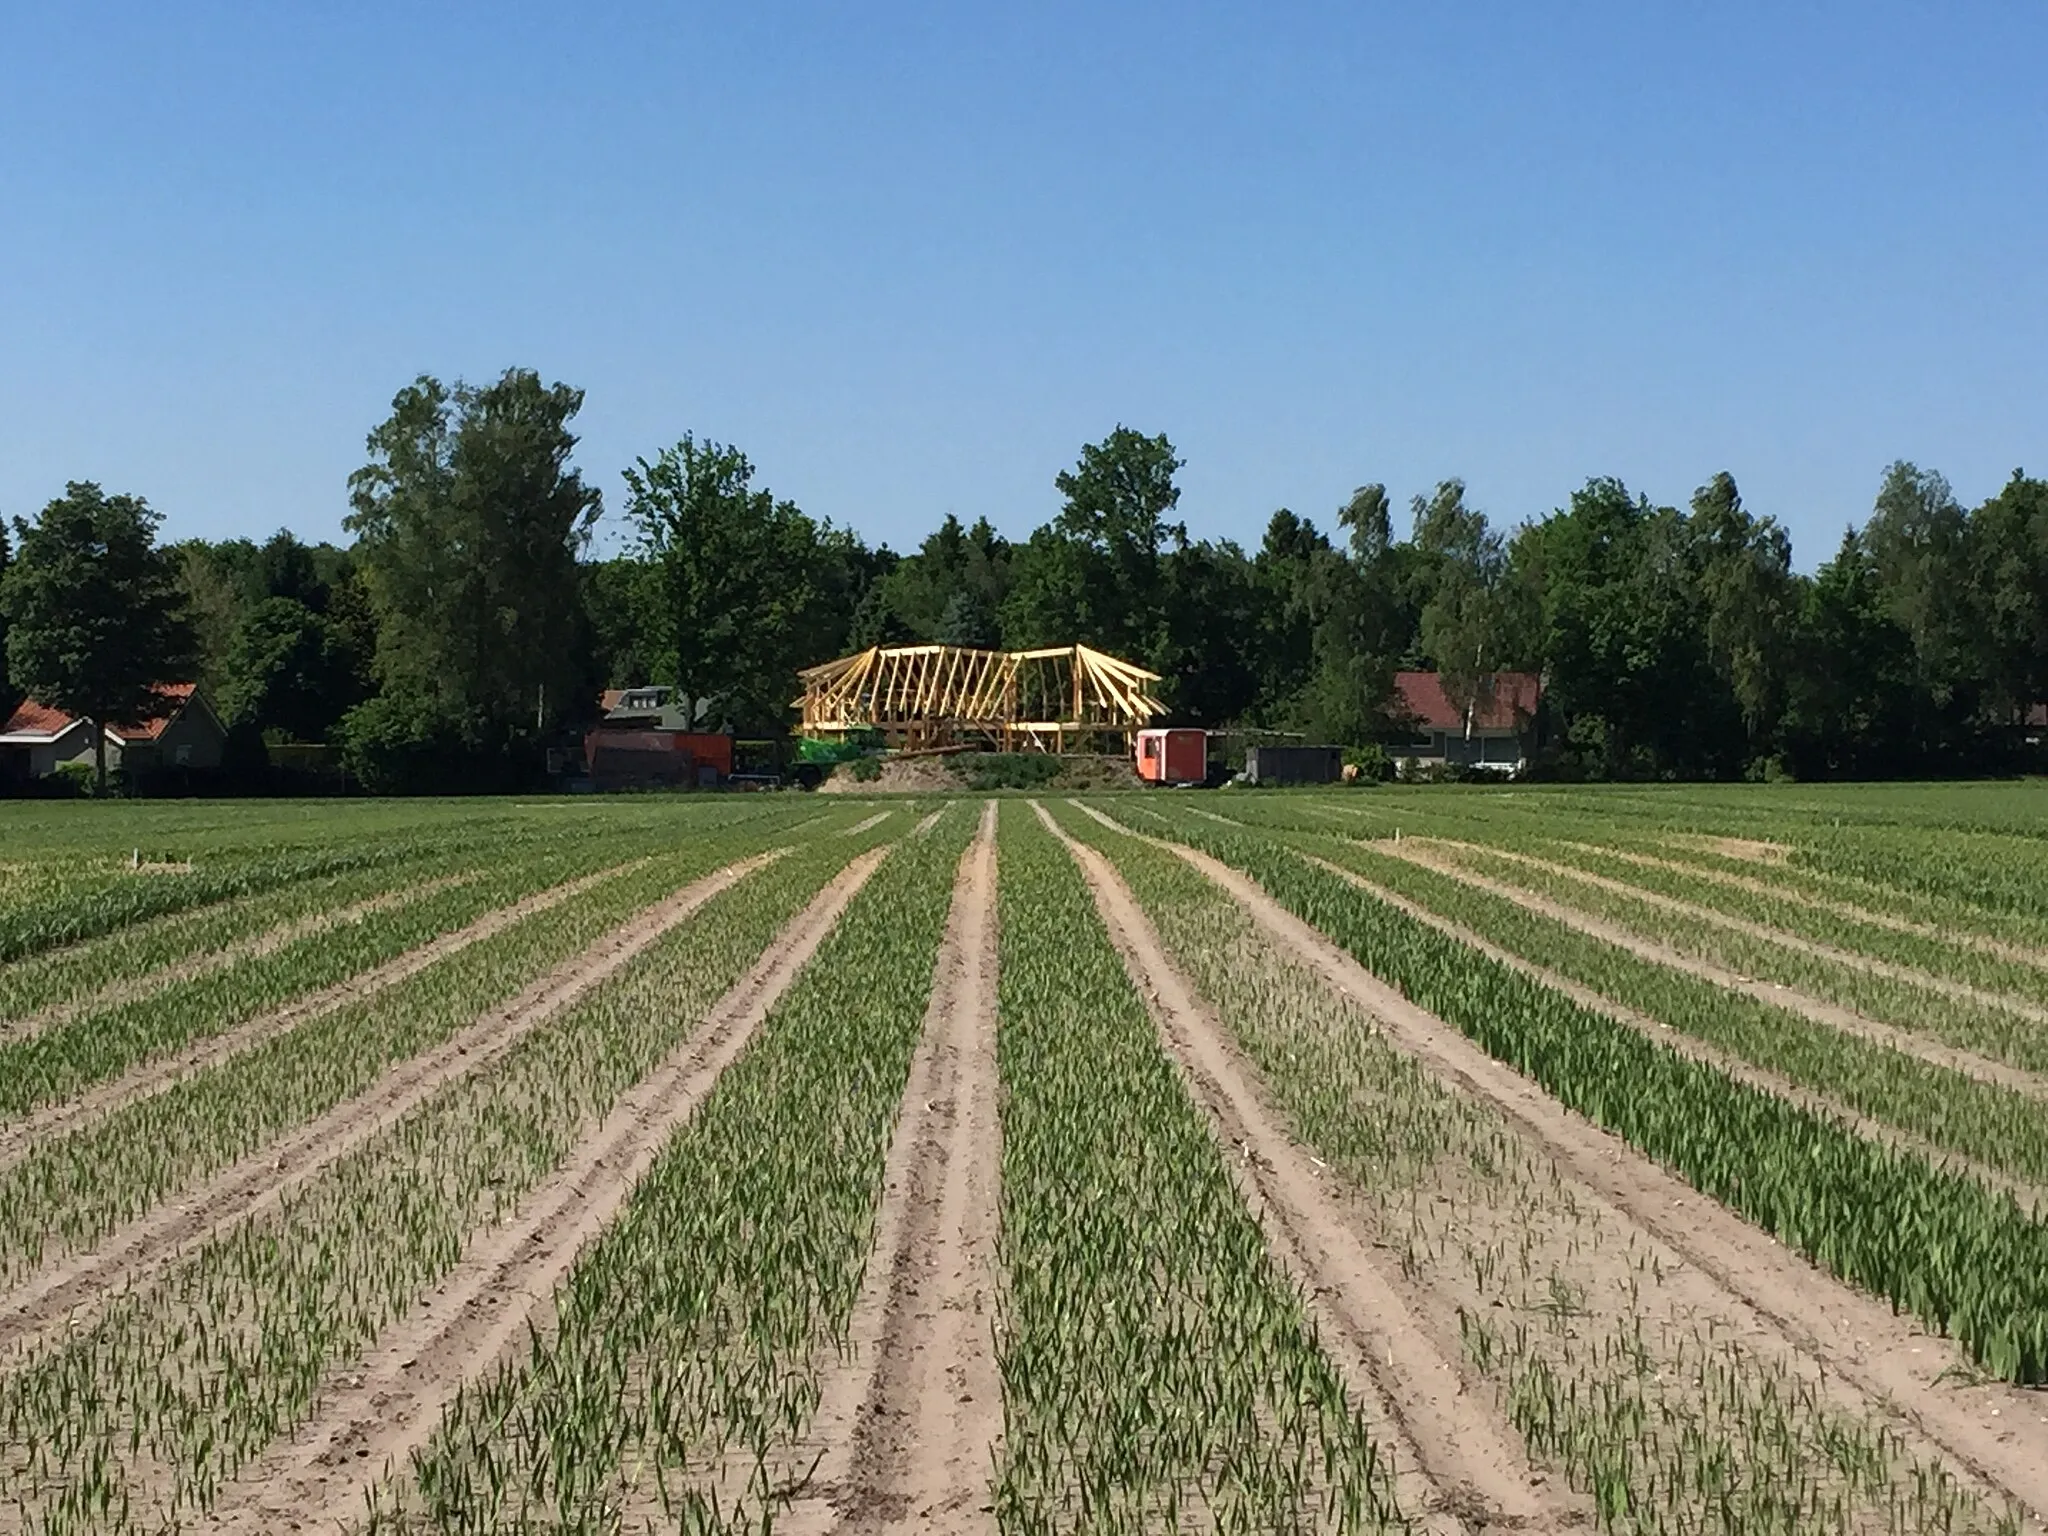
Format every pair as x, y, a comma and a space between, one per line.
94, 621
740, 589
288, 668
468, 521
399, 744
985, 771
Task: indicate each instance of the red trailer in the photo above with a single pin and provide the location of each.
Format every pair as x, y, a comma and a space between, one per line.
620, 758
1177, 756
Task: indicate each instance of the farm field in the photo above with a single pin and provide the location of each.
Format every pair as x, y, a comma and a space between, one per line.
1453, 1160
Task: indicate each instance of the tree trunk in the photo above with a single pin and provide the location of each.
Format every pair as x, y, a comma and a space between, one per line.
99, 759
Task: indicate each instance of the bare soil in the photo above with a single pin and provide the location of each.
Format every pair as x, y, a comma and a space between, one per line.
1745, 848
1994, 1435
905, 1427
373, 1416
65, 1294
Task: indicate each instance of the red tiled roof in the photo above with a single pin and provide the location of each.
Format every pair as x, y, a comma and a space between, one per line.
42, 719
176, 696
37, 719
1510, 700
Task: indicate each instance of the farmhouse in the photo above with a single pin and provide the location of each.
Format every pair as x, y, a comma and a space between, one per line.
37, 740
1498, 731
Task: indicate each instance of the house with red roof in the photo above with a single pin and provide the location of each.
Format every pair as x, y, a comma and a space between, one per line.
36, 740
1497, 730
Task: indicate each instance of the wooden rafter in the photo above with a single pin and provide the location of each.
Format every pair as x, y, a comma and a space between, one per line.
937, 695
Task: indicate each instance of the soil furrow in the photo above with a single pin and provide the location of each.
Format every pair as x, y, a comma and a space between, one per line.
374, 1416
868, 825
1464, 1463
1819, 1010
128, 988
153, 1077
2031, 1197
1993, 1434
906, 1427
926, 823
64, 1295
1962, 990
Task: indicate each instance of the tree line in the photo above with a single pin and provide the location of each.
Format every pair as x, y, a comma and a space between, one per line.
468, 625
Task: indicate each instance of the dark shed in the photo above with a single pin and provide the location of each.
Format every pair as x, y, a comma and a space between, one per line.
1293, 765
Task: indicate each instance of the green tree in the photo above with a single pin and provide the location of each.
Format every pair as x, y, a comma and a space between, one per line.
1620, 631
1116, 503
468, 521
1465, 619
1918, 539
95, 626
1751, 602
746, 588
290, 669
2009, 571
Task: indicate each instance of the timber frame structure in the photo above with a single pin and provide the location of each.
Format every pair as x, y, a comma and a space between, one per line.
931, 696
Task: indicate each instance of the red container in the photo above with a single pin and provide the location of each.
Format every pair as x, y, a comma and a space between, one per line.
1176, 756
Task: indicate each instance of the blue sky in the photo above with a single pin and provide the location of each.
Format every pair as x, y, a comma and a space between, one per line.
911, 257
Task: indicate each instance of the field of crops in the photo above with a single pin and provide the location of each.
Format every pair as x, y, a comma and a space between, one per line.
1631, 1159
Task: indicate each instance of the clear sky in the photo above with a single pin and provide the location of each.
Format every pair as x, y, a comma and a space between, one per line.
911, 257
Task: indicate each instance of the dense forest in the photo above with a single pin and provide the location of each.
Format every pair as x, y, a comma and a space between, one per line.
468, 625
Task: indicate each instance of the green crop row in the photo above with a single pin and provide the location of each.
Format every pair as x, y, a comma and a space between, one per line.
80, 976
88, 907
106, 897
1995, 1126
684, 1366
70, 1191
1158, 1370
63, 1061
277, 1302
73, 974
1975, 1024
1649, 1408
1964, 1261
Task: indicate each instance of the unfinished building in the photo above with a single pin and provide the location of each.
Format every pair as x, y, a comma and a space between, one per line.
930, 697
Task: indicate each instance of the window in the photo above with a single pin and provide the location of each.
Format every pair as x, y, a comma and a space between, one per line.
181, 754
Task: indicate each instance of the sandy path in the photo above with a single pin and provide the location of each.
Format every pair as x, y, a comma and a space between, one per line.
1994, 1434
154, 1076
2031, 1197
906, 1427
2032, 1012
1968, 1063
254, 946
868, 825
372, 1417
2004, 949
925, 824
63, 1296
1455, 1456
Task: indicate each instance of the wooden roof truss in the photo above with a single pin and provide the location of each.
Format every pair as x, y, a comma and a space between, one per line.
950, 695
